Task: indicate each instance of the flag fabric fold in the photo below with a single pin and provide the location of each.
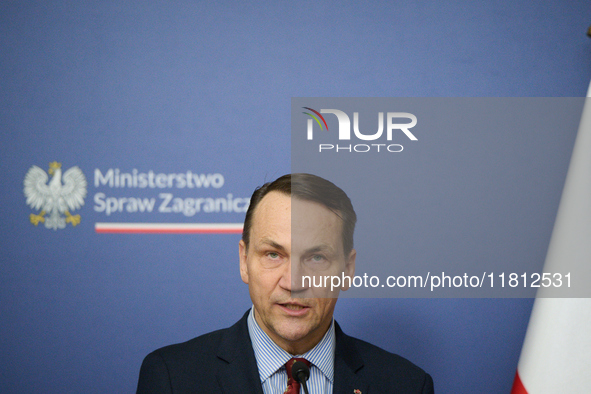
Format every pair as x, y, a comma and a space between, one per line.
556, 353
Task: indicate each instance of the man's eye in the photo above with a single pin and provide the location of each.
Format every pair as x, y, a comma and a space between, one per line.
273, 255
317, 258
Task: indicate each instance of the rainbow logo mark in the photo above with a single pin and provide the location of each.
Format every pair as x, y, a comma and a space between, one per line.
315, 118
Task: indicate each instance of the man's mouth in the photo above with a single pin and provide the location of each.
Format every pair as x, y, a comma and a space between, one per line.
293, 307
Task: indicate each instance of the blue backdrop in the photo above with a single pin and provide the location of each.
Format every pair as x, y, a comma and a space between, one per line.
172, 87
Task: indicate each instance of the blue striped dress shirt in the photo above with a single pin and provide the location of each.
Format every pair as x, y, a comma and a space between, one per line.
271, 361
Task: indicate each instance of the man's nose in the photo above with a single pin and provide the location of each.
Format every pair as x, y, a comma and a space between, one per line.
285, 280
293, 277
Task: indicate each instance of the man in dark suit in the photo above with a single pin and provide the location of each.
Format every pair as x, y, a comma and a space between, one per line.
299, 226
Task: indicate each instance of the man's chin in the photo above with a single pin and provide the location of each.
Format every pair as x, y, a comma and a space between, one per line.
292, 333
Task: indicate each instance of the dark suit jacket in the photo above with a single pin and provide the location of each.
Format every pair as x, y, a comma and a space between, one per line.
223, 361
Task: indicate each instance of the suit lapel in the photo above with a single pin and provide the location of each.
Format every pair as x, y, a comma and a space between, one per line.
238, 372
347, 363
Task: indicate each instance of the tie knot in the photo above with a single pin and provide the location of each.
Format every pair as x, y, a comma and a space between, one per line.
292, 385
291, 362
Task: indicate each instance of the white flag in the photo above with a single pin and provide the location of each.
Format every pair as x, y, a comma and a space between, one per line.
556, 353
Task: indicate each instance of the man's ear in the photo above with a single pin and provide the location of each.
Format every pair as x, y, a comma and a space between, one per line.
349, 268
243, 266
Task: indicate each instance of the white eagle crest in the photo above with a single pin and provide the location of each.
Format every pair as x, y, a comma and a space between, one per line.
54, 197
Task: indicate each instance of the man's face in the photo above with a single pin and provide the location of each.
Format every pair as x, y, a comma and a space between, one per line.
295, 324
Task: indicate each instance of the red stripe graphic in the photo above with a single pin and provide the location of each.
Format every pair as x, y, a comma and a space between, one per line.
518, 387
168, 228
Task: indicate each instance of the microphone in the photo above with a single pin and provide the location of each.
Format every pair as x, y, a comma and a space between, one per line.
301, 374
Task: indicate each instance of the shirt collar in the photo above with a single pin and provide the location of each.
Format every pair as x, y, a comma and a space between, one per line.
270, 357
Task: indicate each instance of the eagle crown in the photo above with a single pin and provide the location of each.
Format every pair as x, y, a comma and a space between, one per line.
54, 165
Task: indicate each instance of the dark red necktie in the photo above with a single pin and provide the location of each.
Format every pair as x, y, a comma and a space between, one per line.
293, 387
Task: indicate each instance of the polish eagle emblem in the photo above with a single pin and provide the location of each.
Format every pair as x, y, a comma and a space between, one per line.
63, 193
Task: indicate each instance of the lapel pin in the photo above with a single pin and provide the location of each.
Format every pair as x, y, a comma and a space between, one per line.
356, 391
